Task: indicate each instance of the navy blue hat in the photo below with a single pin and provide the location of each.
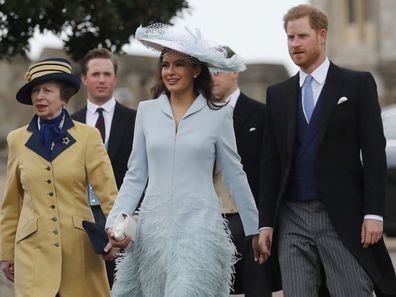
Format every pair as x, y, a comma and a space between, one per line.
48, 69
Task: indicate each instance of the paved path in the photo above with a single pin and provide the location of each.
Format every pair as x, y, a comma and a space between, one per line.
6, 289
391, 245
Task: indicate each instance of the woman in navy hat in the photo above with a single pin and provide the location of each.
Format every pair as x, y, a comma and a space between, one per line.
43, 246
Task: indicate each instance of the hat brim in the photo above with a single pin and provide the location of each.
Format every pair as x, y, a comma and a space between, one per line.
213, 63
159, 36
160, 45
24, 93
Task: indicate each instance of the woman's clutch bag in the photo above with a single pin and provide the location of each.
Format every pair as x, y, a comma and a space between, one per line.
124, 225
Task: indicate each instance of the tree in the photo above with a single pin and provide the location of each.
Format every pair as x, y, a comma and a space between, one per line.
85, 24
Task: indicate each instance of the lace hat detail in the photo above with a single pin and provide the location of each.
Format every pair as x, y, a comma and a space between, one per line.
160, 37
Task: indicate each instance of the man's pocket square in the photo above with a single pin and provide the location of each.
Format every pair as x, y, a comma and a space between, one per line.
252, 129
342, 99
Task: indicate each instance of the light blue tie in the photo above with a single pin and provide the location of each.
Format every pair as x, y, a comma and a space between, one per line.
308, 100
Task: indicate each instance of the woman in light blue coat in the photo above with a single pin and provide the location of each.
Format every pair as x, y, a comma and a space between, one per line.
182, 248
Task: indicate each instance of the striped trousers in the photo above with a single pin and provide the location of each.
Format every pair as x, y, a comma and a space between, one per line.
309, 245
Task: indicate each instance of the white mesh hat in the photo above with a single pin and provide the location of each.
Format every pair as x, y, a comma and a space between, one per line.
160, 37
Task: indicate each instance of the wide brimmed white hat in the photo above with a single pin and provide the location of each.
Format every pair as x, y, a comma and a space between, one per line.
160, 37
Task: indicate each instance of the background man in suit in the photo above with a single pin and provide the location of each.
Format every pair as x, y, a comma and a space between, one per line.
114, 121
250, 278
324, 172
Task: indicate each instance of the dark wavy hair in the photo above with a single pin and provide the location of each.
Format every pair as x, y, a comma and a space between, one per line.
203, 83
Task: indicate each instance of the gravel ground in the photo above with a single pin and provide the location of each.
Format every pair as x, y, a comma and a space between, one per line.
6, 288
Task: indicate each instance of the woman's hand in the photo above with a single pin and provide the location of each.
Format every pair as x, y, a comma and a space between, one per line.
122, 244
8, 269
111, 252
135, 217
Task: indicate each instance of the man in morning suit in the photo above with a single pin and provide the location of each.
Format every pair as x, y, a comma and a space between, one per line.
324, 166
115, 122
251, 278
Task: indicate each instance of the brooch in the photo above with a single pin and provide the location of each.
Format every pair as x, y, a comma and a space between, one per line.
65, 140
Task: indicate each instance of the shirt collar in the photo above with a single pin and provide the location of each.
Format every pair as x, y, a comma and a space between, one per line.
108, 106
233, 98
319, 74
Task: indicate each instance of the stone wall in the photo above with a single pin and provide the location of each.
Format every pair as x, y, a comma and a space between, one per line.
367, 43
135, 79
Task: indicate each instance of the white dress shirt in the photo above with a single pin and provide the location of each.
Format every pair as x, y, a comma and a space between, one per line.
233, 98
91, 118
108, 113
319, 79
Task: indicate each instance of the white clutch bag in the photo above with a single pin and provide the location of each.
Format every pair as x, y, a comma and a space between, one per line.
124, 226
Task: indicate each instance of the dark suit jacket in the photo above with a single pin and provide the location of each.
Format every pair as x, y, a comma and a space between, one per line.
120, 139
348, 189
249, 116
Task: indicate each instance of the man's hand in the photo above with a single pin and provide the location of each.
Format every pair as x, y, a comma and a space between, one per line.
371, 232
110, 252
121, 244
264, 243
256, 248
8, 269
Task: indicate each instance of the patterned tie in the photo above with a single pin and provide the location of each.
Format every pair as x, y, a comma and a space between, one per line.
100, 124
308, 100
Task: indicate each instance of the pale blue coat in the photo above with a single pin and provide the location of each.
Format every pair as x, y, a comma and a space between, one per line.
182, 246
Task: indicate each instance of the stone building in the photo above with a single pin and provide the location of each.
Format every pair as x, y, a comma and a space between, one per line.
362, 36
135, 79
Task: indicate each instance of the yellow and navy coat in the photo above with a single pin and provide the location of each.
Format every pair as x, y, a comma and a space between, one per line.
43, 207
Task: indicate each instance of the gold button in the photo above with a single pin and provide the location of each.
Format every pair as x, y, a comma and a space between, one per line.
51, 194
52, 206
48, 181
48, 168
54, 219
55, 231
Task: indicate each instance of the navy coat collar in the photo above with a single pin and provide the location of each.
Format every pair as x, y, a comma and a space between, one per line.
36, 145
